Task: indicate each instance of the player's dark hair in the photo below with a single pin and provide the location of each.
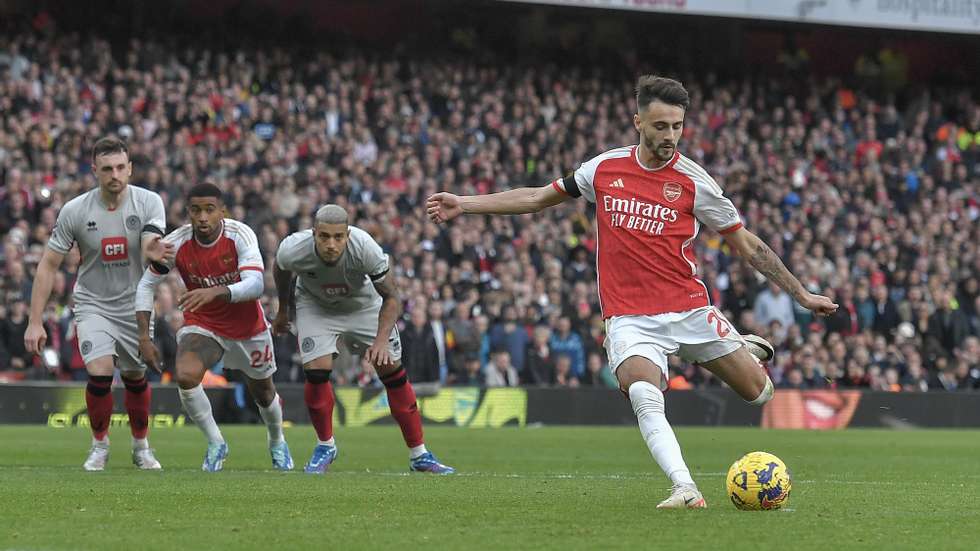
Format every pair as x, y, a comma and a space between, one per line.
205, 189
651, 88
108, 146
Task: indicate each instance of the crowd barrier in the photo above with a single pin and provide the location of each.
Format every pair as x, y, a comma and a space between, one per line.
60, 405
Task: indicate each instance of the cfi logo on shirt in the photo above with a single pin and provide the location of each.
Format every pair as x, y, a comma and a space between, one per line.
114, 249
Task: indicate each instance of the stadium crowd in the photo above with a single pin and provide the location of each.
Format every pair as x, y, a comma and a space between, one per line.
871, 200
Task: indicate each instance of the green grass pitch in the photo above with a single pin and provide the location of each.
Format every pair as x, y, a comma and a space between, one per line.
530, 488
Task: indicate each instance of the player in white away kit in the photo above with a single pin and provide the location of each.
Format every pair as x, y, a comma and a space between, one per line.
650, 203
343, 290
114, 225
221, 266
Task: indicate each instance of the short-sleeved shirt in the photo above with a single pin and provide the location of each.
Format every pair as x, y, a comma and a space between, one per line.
220, 262
109, 241
647, 222
343, 287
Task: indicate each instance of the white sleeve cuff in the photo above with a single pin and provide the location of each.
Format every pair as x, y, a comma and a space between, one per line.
249, 288
145, 290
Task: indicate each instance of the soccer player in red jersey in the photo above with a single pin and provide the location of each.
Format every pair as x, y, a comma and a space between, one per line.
219, 261
651, 201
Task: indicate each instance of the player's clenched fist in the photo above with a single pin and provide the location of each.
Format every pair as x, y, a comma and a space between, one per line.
34, 338
442, 207
148, 352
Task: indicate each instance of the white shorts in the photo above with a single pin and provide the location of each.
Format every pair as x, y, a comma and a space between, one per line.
100, 336
319, 329
255, 356
699, 335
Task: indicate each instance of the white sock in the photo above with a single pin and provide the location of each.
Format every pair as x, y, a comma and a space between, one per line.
272, 416
417, 451
104, 443
140, 443
198, 408
326, 442
648, 404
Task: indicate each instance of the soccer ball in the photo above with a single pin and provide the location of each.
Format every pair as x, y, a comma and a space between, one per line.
758, 481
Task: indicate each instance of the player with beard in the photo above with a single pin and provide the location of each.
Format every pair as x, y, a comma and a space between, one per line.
650, 204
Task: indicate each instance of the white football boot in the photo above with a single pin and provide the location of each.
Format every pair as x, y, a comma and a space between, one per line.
144, 459
759, 347
98, 456
684, 496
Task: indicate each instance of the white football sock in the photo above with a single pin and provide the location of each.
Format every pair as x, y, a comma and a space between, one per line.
272, 416
330, 442
140, 443
198, 408
417, 451
648, 404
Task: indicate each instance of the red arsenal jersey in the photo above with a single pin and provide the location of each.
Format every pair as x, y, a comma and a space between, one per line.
647, 221
220, 263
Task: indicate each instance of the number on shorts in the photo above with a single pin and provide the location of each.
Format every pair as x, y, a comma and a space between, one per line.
260, 359
721, 324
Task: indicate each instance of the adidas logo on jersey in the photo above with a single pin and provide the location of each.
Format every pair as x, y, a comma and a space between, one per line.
617, 183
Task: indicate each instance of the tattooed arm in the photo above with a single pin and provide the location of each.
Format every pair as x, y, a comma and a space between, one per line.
762, 258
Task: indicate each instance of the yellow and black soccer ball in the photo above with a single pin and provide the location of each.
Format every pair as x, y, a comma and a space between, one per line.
758, 481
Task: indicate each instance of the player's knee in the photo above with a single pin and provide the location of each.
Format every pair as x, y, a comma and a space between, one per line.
767, 393
395, 378
188, 379
317, 376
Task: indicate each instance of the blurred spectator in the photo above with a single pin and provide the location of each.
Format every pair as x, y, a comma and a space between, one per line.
773, 304
501, 371
566, 342
420, 353
539, 367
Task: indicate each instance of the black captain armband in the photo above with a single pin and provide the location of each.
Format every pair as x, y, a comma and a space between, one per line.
160, 268
379, 276
571, 187
150, 228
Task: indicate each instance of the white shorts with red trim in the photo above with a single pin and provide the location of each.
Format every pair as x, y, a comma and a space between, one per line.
698, 335
254, 356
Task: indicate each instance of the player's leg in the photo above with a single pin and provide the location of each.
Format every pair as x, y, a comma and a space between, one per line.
404, 408
255, 358
318, 333
638, 349
98, 349
132, 371
197, 352
402, 401
713, 343
642, 381
319, 398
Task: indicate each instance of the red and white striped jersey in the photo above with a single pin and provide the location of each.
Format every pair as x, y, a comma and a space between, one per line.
647, 221
220, 263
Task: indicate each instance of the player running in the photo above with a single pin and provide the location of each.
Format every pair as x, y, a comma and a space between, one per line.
343, 290
650, 203
116, 227
220, 264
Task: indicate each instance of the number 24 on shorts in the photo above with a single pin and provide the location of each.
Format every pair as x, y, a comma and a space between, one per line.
720, 323
261, 359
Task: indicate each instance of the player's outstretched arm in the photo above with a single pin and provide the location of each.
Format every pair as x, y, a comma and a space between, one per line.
391, 307
444, 206
35, 336
762, 258
284, 288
